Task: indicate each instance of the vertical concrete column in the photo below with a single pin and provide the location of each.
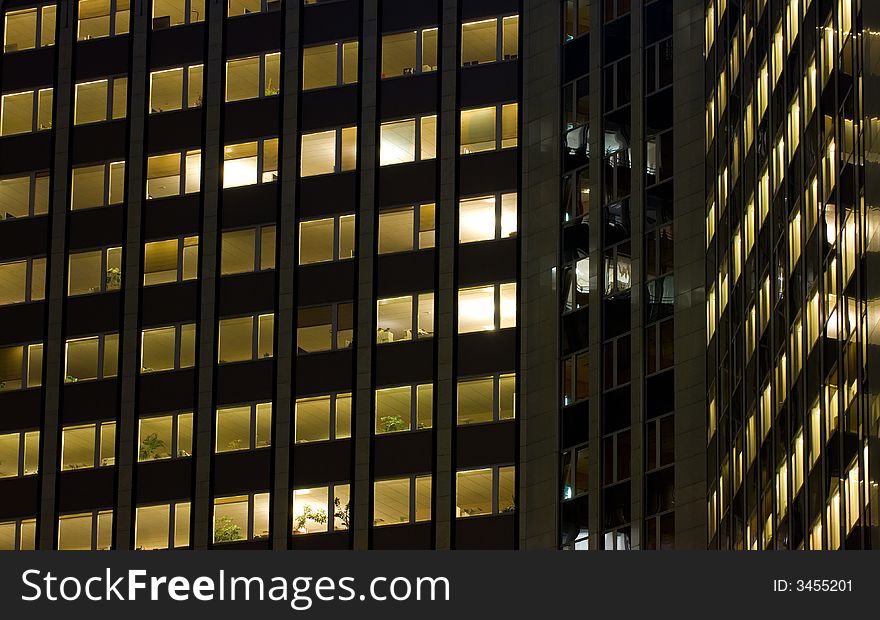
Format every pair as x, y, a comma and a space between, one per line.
444, 324
366, 302
206, 354
689, 226
538, 498
285, 310
126, 434
56, 280
637, 278
596, 147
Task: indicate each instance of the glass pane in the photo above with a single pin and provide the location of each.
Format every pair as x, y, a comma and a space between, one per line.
318, 153
475, 400
343, 416
393, 409
81, 360
509, 125
319, 66
316, 241
87, 187
21, 30
75, 533
312, 419
91, 102
181, 524
163, 176
398, 54
237, 251
15, 198
350, 62
349, 148
391, 502
424, 405
242, 78
13, 278
9, 455
261, 515
233, 429
397, 142
428, 139
510, 34
17, 113
273, 74
508, 215
423, 498
187, 345
230, 519
429, 49
476, 309
479, 42
158, 349
426, 315
240, 164
473, 492
506, 489
154, 438
31, 453
266, 336
78, 447
184, 434
267, 247
426, 226
341, 506
236, 341
151, 527
310, 510
314, 330
508, 305
506, 397
476, 219
396, 230
194, 86
477, 130
166, 90
264, 425
395, 319
346, 237
108, 444
160, 262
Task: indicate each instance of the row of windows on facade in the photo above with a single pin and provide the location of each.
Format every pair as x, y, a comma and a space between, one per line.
403, 53
249, 250
396, 501
319, 328
249, 427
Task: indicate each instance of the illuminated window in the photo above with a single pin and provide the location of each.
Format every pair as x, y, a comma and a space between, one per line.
330, 65
247, 7
249, 163
404, 408
22, 281
167, 13
168, 348
176, 89
485, 491
21, 367
97, 185
24, 196
88, 445
246, 427
326, 152
321, 418
174, 260
91, 358
488, 129
165, 437
26, 111
315, 511
489, 40
398, 317
576, 378
241, 517
165, 526
19, 535
248, 250
100, 100
577, 18
486, 399
487, 218
252, 77
409, 53
29, 28
486, 308
246, 338
94, 272
327, 239
174, 174
89, 531
408, 140
102, 18
19, 454
401, 500
404, 229
323, 328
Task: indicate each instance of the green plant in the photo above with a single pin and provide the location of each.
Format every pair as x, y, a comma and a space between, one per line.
70, 379
318, 516
391, 423
343, 514
508, 508
225, 530
235, 444
270, 88
114, 277
150, 447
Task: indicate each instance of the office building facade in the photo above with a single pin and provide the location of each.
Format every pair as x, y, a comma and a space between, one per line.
317, 275
792, 421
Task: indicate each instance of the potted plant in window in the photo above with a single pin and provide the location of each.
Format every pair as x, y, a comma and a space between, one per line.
225, 530
343, 514
150, 447
318, 516
392, 423
113, 279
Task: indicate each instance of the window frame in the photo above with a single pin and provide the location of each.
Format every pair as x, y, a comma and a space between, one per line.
36, 107
330, 526
334, 327
250, 498
415, 423
500, 56
412, 509
102, 341
31, 287
255, 409
112, 21
172, 533
178, 347
337, 238
180, 268
95, 517
41, 12
34, 182
100, 461
26, 353
23, 452
187, 15
186, 81
419, 60
495, 490
496, 379
332, 420
175, 449
104, 270
256, 329
415, 314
